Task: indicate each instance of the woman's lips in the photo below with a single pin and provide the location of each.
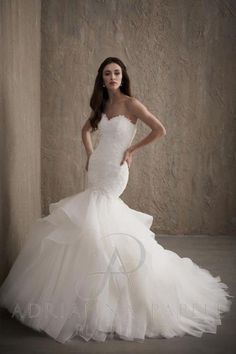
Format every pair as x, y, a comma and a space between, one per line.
112, 83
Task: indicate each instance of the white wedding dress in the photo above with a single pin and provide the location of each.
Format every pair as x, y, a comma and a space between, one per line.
93, 267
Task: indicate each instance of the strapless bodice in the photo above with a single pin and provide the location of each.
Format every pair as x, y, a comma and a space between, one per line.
117, 134
104, 171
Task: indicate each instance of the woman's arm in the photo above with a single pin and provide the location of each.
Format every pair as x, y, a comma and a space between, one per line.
158, 129
86, 137
141, 112
87, 141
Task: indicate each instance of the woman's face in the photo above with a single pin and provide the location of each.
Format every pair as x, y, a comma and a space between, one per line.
112, 76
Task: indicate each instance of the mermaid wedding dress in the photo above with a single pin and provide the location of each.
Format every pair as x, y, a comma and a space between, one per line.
93, 267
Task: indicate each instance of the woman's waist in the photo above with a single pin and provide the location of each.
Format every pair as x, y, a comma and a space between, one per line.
109, 151
113, 145
109, 156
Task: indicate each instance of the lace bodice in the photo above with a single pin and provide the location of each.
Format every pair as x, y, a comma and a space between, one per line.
117, 134
105, 171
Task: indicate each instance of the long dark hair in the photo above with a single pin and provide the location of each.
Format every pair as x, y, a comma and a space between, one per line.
100, 94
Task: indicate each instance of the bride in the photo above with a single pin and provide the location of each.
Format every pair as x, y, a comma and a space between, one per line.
92, 267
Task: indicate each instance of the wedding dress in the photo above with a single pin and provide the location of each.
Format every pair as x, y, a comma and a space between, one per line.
93, 267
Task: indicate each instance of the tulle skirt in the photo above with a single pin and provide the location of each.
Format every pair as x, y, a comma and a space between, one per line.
93, 268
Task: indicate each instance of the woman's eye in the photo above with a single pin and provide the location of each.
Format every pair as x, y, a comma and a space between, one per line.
117, 73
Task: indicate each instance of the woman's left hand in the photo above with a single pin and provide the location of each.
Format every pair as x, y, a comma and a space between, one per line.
128, 155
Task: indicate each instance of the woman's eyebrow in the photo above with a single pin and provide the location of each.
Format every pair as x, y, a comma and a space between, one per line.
107, 71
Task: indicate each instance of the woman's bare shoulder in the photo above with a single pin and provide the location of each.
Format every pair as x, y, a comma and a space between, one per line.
129, 108
134, 105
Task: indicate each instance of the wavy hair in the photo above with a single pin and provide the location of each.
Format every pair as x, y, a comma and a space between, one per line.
100, 94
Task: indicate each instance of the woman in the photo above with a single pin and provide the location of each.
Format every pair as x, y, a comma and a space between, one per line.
92, 267
116, 97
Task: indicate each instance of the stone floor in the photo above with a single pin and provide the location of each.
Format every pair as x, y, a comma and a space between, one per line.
217, 254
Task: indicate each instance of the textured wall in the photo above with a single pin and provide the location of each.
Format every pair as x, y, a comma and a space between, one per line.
181, 61
20, 200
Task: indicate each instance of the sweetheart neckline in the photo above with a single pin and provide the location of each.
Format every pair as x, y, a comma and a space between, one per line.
119, 115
